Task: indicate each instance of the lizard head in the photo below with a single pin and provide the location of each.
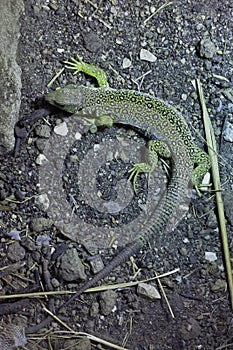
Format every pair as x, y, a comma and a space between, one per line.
68, 98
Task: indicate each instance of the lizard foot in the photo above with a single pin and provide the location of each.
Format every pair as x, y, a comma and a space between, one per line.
203, 165
136, 170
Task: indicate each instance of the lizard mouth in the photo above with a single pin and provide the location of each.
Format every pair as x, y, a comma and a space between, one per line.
58, 105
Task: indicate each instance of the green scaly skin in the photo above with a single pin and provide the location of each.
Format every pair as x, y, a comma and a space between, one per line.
168, 137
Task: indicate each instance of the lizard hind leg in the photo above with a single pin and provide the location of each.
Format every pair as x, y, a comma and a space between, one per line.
203, 162
155, 148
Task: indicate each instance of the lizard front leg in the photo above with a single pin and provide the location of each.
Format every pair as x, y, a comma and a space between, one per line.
103, 121
89, 69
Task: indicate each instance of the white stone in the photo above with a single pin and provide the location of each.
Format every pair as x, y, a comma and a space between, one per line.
43, 201
228, 132
205, 182
119, 41
210, 256
60, 50
78, 136
61, 129
206, 179
148, 290
184, 97
146, 55
41, 159
126, 63
96, 147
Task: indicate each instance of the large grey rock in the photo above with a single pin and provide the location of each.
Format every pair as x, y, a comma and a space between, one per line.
10, 72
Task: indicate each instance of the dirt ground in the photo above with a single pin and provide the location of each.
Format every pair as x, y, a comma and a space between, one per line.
188, 40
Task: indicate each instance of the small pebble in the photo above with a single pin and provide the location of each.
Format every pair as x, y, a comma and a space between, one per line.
78, 136
15, 235
71, 267
218, 286
207, 48
60, 50
43, 131
146, 55
61, 129
43, 240
205, 182
228, 132
42, 200
210, 256
96, 263
148, 291
107, 302
94, 310
16, 252
41, 159
126, 63
40, 224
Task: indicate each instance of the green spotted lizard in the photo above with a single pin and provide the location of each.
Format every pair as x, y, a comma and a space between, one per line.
168, 136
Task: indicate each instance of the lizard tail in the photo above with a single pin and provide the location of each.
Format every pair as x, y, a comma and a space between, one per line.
155, 226
119, 259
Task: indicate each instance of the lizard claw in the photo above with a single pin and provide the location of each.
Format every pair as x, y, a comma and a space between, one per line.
79, 66
135, 171
75, 64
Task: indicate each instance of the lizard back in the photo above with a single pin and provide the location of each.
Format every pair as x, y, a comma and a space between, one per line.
156, 120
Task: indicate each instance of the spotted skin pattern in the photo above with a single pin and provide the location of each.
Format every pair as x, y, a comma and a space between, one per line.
153, 117
168, 136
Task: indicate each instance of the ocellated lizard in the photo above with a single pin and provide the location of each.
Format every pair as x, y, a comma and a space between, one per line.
168, 136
